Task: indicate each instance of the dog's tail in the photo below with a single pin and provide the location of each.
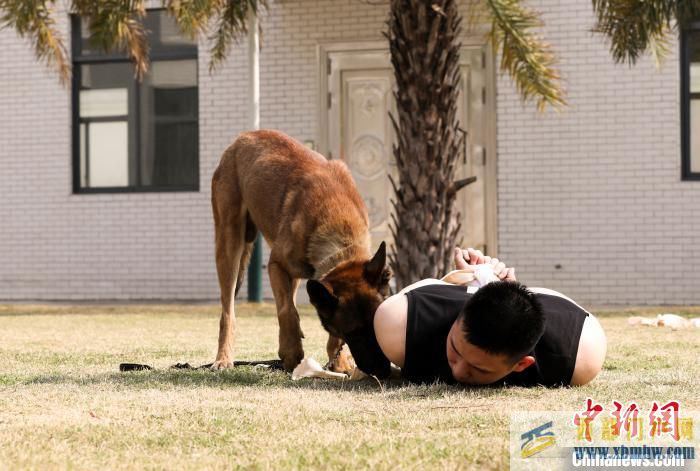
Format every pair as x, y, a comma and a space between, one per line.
251, 233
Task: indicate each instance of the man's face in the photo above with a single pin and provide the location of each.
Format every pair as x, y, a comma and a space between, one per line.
472, 365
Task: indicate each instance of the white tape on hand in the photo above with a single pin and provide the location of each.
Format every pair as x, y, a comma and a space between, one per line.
483, 275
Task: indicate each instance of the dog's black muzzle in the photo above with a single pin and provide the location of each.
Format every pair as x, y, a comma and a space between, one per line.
367, 354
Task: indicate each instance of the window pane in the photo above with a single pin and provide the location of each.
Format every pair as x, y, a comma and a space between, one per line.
164, 36
107, 159
695, 77
83, 157
106, 76
694, 50
106, 96
104, 102
89, 47
693, 44
695, 136
169, 129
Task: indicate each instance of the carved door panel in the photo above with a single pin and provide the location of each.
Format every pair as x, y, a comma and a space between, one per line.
359, 131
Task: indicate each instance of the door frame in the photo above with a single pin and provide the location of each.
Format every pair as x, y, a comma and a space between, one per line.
323, 52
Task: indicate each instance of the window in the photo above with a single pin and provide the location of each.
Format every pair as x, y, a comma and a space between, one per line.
690, 102
130, 135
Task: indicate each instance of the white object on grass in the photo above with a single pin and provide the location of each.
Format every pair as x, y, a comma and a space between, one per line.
310, 368
674, 321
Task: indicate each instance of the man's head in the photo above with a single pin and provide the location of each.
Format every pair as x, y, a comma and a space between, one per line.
494, 334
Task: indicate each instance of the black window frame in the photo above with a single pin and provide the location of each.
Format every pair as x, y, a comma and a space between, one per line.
686, 97
78, 59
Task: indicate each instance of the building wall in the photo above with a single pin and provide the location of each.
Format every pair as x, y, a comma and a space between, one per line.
57, 245
596, 188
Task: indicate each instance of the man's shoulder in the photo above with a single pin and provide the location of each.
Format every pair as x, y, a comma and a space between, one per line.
390, 327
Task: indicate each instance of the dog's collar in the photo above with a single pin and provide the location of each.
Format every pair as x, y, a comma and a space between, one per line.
330, 262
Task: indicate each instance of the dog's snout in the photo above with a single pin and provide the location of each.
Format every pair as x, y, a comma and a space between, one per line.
368, 355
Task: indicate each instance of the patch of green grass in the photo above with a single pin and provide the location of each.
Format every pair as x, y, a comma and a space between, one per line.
64, 404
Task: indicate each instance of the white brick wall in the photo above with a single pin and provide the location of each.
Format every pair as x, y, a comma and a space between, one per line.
56, 245
597, 187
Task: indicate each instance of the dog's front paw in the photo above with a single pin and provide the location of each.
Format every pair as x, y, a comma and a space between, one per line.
291, 357
343, 363
222, 364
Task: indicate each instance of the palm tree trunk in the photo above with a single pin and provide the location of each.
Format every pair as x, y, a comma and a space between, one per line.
424, 44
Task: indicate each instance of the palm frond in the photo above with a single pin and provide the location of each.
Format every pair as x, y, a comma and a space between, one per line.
524, 54
634, 27
193, 16
660, 47
230, 26
33, 19
117, 24
631, 25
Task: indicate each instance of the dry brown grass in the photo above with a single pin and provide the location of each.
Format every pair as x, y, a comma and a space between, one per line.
63, 404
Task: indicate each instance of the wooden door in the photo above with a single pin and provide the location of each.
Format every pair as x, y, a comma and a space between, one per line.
358, 97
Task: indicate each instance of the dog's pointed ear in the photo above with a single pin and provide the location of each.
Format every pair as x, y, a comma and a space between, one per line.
375, 269
320, 296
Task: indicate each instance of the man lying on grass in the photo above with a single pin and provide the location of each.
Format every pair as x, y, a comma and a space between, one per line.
504, 333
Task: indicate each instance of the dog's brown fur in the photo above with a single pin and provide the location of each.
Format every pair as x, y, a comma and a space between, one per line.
316, 225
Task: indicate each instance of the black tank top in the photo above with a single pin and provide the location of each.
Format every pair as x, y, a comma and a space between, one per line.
432, 310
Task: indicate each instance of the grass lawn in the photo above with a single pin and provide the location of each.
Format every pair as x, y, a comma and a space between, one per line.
63, 403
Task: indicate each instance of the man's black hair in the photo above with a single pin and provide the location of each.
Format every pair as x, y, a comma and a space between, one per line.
503, 318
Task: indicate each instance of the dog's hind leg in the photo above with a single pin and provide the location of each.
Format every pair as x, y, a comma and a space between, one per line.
229, 228
251, 233
284, 288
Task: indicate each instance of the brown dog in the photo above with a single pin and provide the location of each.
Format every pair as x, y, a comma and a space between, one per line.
316, 225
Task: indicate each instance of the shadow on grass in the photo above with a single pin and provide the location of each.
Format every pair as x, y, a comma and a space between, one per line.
240, 376
246, 377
